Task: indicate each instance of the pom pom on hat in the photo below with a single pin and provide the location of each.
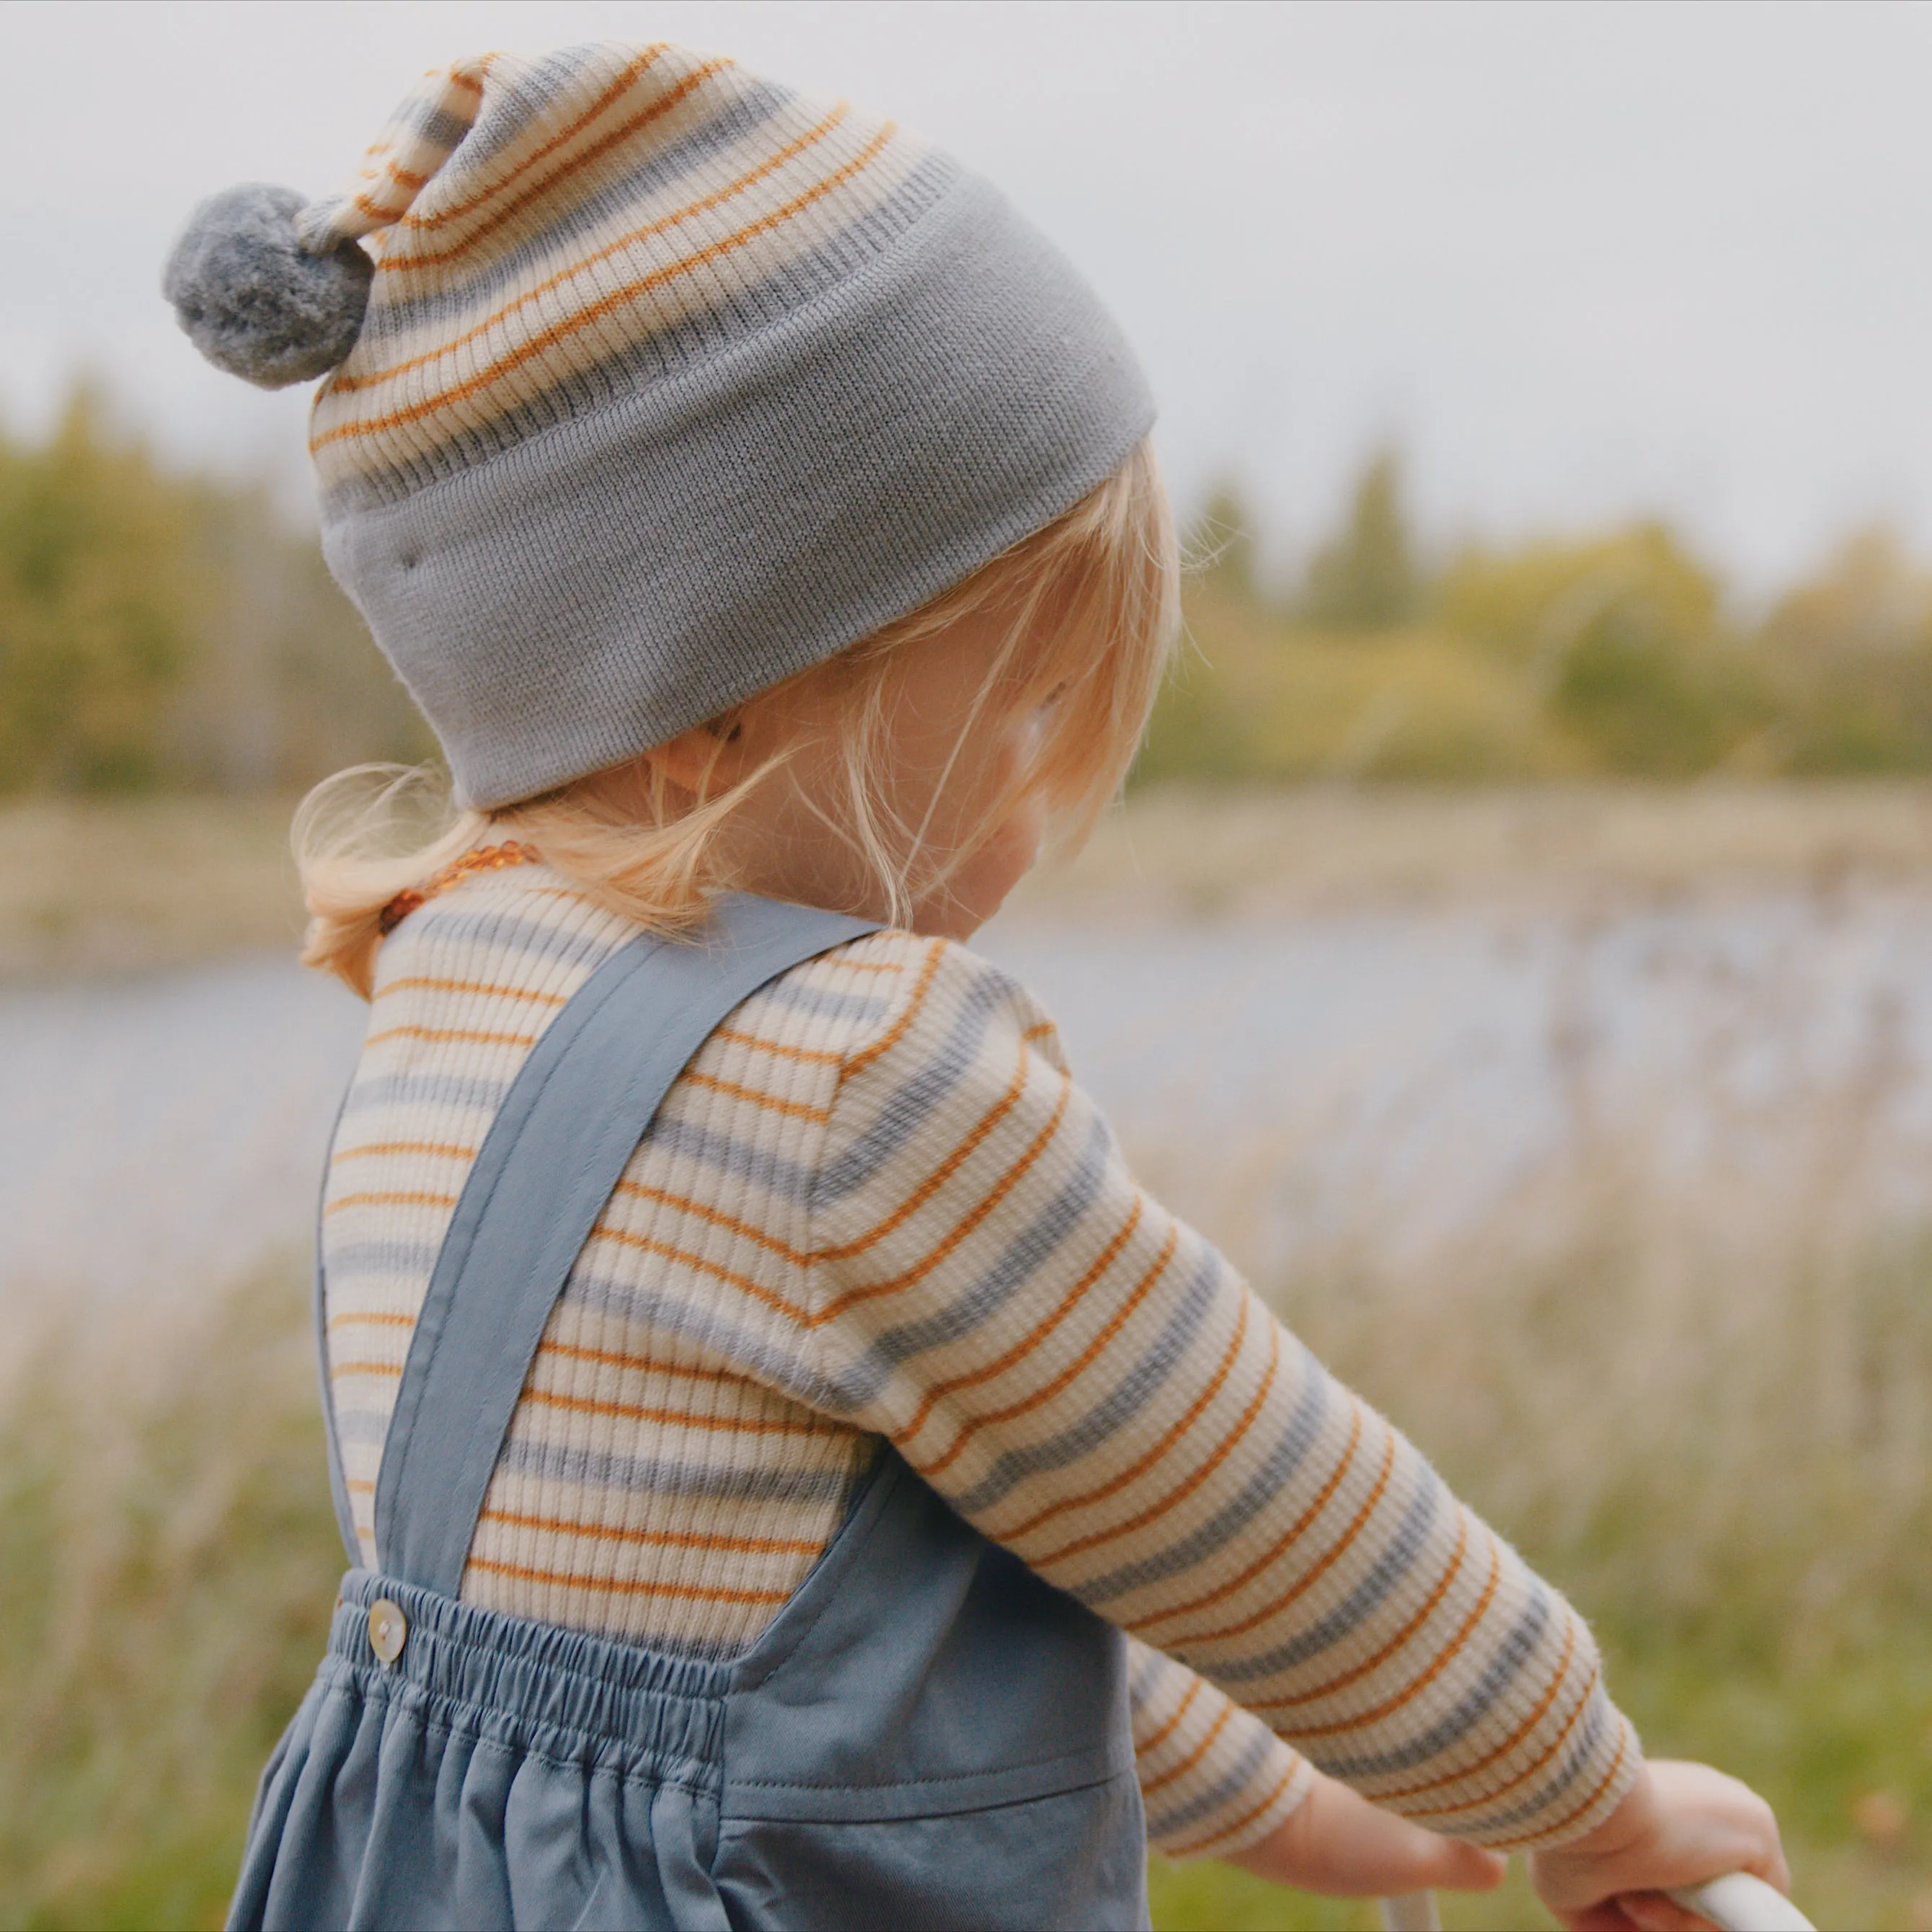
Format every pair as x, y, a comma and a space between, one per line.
253, 299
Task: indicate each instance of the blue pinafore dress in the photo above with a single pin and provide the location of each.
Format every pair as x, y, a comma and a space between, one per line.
928, 1736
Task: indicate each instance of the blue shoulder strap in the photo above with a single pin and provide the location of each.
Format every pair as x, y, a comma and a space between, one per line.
338, 1488
559, 1145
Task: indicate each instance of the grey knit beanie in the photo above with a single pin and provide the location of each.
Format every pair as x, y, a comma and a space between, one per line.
664, 383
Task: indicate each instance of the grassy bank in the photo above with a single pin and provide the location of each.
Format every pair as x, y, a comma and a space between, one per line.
129, 885
1179, 851
169, 1559
126, 885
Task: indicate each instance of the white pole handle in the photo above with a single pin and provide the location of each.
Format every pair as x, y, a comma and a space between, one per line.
1411, 1912
1736, 1903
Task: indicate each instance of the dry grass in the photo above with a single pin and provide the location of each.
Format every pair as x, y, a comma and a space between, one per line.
119, 885
1707, 1406
168, 1555
1700, 1398
1176, 851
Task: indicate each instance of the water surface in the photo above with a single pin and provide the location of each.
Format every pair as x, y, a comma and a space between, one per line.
1399, 1070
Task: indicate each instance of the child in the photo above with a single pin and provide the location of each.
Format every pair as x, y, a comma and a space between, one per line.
794, 1475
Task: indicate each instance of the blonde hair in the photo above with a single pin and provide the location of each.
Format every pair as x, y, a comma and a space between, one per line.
1088, 612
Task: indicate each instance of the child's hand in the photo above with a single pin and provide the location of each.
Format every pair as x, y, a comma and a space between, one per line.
1335, 1841
1678, 1825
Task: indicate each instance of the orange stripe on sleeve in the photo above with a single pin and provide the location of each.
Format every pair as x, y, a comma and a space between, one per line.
1415, 1688
795, 1110
1316, 1571
927, 971
1135, 1471
713, 1217
1195, 1845
1167, 1730
1223, 1450
1603, 1784
704, 1264
808, 1056
1450, 1573
968, 1224
397, 1199
1536, 1764
931, 1183
1193, 1757
443, 1149
990, 1371
1021, 1350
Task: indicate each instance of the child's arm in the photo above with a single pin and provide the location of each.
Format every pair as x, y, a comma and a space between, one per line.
1214, 1779
1336, 1842
1218, 1783
1089, 1382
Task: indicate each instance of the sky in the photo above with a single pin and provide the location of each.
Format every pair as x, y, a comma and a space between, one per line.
1580, 262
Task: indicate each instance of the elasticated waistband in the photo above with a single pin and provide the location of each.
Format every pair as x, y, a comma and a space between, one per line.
563, 1694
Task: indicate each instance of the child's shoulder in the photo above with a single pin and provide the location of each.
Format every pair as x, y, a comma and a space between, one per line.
890, 1000
893, 997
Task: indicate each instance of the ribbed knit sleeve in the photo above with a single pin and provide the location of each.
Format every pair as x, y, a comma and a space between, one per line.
1087, 1381
1214, 1778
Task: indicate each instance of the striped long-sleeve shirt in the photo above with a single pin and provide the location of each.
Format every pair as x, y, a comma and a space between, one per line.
875, 1206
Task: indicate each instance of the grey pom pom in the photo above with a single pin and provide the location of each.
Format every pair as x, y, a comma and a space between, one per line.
253, 300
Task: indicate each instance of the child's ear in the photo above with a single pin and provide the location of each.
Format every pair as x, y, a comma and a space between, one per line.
708, 759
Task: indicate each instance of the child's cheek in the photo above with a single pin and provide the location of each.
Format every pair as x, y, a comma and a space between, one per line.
1015, 849
976, 891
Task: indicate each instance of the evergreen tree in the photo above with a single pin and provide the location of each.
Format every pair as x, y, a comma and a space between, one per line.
1220, 546
1366, 578
158, 630
98, 604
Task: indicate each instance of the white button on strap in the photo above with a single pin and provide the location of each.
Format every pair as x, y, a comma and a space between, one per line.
388, 1630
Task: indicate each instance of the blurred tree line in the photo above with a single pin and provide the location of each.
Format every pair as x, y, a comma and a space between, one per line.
1611, 655
163, 631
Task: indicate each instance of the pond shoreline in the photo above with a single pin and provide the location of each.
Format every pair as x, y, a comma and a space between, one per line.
103, 888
